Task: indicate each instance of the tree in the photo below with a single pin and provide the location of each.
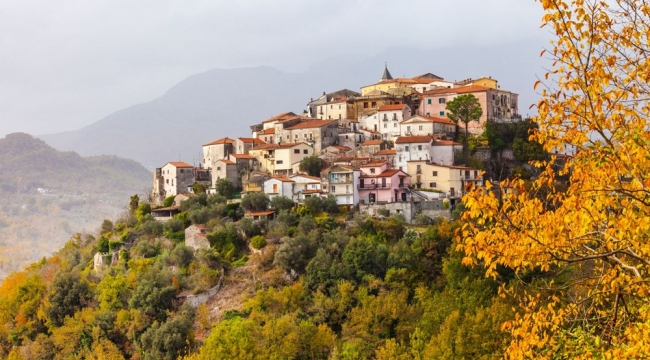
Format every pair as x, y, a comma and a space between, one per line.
590, 242
225, 187
311, 165
134, 202
464, 108
255, 202
280, 203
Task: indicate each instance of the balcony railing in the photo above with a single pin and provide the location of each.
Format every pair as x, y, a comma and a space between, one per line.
367, 186
401, 185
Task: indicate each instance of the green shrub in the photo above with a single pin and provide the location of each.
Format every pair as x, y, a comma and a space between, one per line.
102, 245
169, 201
258, 242
114, 245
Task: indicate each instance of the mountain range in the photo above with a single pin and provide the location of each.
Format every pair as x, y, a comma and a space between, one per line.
49, 195
225, 102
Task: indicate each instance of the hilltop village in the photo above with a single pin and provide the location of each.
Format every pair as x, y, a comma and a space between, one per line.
391, 146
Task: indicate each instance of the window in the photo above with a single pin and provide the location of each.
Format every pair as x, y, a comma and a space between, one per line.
406, 148
288, 138
182, 171
365, 105
385, 125
441, 101
420, 127
172, 182
311, 136
331, 106
333, 188
167, 181
429, 101
373, 104
372, 170
428, 114
277, 162
346, 137
218, 168
394, 124
435, 173
408, 129
419, 147
296, 151
296, 136
394, 116
305, 151
432, 185
442, 113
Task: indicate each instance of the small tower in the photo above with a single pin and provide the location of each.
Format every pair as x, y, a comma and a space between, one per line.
386, 75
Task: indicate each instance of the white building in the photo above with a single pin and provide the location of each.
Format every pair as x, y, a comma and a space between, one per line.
279, 186
389, 119
425, 125
305, 186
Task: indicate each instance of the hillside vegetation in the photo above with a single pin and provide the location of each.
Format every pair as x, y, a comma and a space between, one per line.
319, 287
48, 195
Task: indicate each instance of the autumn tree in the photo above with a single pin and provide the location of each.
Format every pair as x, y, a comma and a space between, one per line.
464, 109
590, 242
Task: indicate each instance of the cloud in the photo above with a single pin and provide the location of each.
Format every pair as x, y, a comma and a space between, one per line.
66, 64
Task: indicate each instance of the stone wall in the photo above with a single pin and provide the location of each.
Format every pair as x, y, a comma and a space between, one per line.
409, 209
202, 298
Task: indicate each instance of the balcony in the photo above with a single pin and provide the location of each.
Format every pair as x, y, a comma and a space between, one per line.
367, 186
402, 185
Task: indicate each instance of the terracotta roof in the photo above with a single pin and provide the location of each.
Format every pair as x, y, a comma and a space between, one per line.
306, 176
242, 156
458, 90
226, 161
413, 139
180, 164
308, 124
279, 116
439, 120
171, 208
392, 107
388, 173
311, 191
371, 142
374, 163
265, 147
221, 141
387, 152
445, 143
340, 147
251, 140
282, 178
266, 131
258, 213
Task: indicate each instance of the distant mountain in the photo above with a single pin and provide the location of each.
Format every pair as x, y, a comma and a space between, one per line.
48, 196
28, 163
225, 102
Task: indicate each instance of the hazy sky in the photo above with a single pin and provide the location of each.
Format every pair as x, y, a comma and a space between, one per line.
65, 64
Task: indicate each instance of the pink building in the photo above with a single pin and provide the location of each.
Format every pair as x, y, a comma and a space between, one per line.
379, 183
497, 104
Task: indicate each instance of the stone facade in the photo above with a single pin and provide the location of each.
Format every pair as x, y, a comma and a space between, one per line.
195, 237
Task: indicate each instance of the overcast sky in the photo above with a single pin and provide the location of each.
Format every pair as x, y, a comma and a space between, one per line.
65, 64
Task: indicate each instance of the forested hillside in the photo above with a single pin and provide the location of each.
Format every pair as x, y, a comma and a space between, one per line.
308, 286
49, 195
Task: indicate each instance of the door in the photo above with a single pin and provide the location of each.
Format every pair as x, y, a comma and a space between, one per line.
361, 181
275, 188
403, 196
383, 182
371, 198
